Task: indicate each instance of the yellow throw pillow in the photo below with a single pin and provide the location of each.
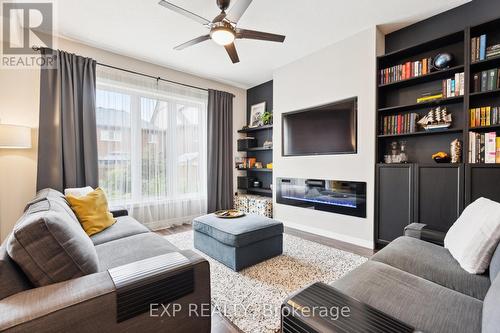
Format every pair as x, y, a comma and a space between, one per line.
92, 211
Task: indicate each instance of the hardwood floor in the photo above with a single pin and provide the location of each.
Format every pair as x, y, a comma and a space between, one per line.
221, 324
360, 251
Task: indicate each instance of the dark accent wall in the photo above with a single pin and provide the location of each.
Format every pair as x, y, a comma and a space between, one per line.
258, 94
472, 13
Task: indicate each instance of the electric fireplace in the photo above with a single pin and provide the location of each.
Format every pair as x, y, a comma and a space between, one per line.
336, 196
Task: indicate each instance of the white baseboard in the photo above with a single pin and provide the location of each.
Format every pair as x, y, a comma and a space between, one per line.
325, 233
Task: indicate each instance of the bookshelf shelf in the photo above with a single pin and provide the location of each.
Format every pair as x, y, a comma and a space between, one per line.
485, 93
485, 64
424, 78
447, 131
408, 107
484, 128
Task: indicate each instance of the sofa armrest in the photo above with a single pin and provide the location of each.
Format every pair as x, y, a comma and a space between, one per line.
89, 304
118, 211
323, 308
425, 233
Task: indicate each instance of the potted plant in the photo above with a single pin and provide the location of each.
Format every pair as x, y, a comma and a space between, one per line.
267, 118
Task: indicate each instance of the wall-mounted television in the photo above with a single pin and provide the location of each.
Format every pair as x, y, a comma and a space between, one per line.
323, 130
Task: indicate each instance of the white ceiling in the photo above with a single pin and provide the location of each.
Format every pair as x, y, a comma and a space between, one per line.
143, 29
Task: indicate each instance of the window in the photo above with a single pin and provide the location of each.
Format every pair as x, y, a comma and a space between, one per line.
110, 135
152, 147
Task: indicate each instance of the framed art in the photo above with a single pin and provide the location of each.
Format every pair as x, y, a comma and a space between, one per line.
256, 112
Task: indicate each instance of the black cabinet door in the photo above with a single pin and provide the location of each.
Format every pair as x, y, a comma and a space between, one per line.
439, 194
483, 181
394, 201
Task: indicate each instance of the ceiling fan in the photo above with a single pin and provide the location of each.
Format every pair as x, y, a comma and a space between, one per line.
223, 28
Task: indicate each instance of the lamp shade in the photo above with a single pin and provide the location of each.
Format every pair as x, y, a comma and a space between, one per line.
15, 137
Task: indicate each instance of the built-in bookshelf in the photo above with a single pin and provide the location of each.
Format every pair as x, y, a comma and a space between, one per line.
476, 54
422, 190
263, 155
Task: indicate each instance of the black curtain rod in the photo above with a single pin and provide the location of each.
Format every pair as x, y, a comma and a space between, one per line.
36, 48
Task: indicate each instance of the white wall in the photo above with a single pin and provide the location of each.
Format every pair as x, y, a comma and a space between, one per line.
19, 105
342, 70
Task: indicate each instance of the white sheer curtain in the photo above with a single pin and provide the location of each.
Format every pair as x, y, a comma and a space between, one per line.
152, 147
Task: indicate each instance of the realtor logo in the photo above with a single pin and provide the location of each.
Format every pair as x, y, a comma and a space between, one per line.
24, 25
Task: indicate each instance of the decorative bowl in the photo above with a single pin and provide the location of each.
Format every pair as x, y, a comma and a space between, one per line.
229, 214
445, 159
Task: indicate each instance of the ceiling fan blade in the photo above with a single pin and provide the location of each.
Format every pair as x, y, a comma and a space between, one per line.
219, 17
238, 10
184, 12
252, 34
233, 54
192, 42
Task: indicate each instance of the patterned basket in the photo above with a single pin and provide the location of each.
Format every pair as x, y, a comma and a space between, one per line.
254, 204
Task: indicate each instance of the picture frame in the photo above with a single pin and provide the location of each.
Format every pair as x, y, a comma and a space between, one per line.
256, 112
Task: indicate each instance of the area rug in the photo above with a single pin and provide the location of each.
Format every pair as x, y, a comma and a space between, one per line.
251, 298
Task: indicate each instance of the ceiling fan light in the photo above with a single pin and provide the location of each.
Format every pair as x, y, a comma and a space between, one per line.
222, 36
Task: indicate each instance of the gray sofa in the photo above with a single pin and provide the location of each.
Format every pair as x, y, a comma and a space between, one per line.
422, 285
54, 278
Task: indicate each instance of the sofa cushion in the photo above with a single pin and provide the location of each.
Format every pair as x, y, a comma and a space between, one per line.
129, 249
12, 278
44, 195
434, 263
125, 226
474, 236
92, 211
495, 264
420, 303
491, 309
50, 246
238, 232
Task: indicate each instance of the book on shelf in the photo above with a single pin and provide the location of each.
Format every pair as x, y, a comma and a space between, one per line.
487, 80
454, 87
493, 51
484, 116
478, 48
484, 148
405, 71
399, 124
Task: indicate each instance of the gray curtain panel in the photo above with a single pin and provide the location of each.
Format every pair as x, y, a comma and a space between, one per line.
220, 150
67, 142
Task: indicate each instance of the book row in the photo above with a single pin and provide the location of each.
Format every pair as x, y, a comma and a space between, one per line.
484, 148
455, 86
405, 71
450, 88
479, 50
484, 116
486, 80
399, 124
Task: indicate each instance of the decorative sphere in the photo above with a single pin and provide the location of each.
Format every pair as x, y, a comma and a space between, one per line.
443, 61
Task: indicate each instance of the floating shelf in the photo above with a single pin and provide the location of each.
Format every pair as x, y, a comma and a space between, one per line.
257, 170
255, 129
259, 190
452, 130
424, 78
407, 107
256, 149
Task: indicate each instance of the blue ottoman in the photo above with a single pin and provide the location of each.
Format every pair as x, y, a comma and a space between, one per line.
240, 242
